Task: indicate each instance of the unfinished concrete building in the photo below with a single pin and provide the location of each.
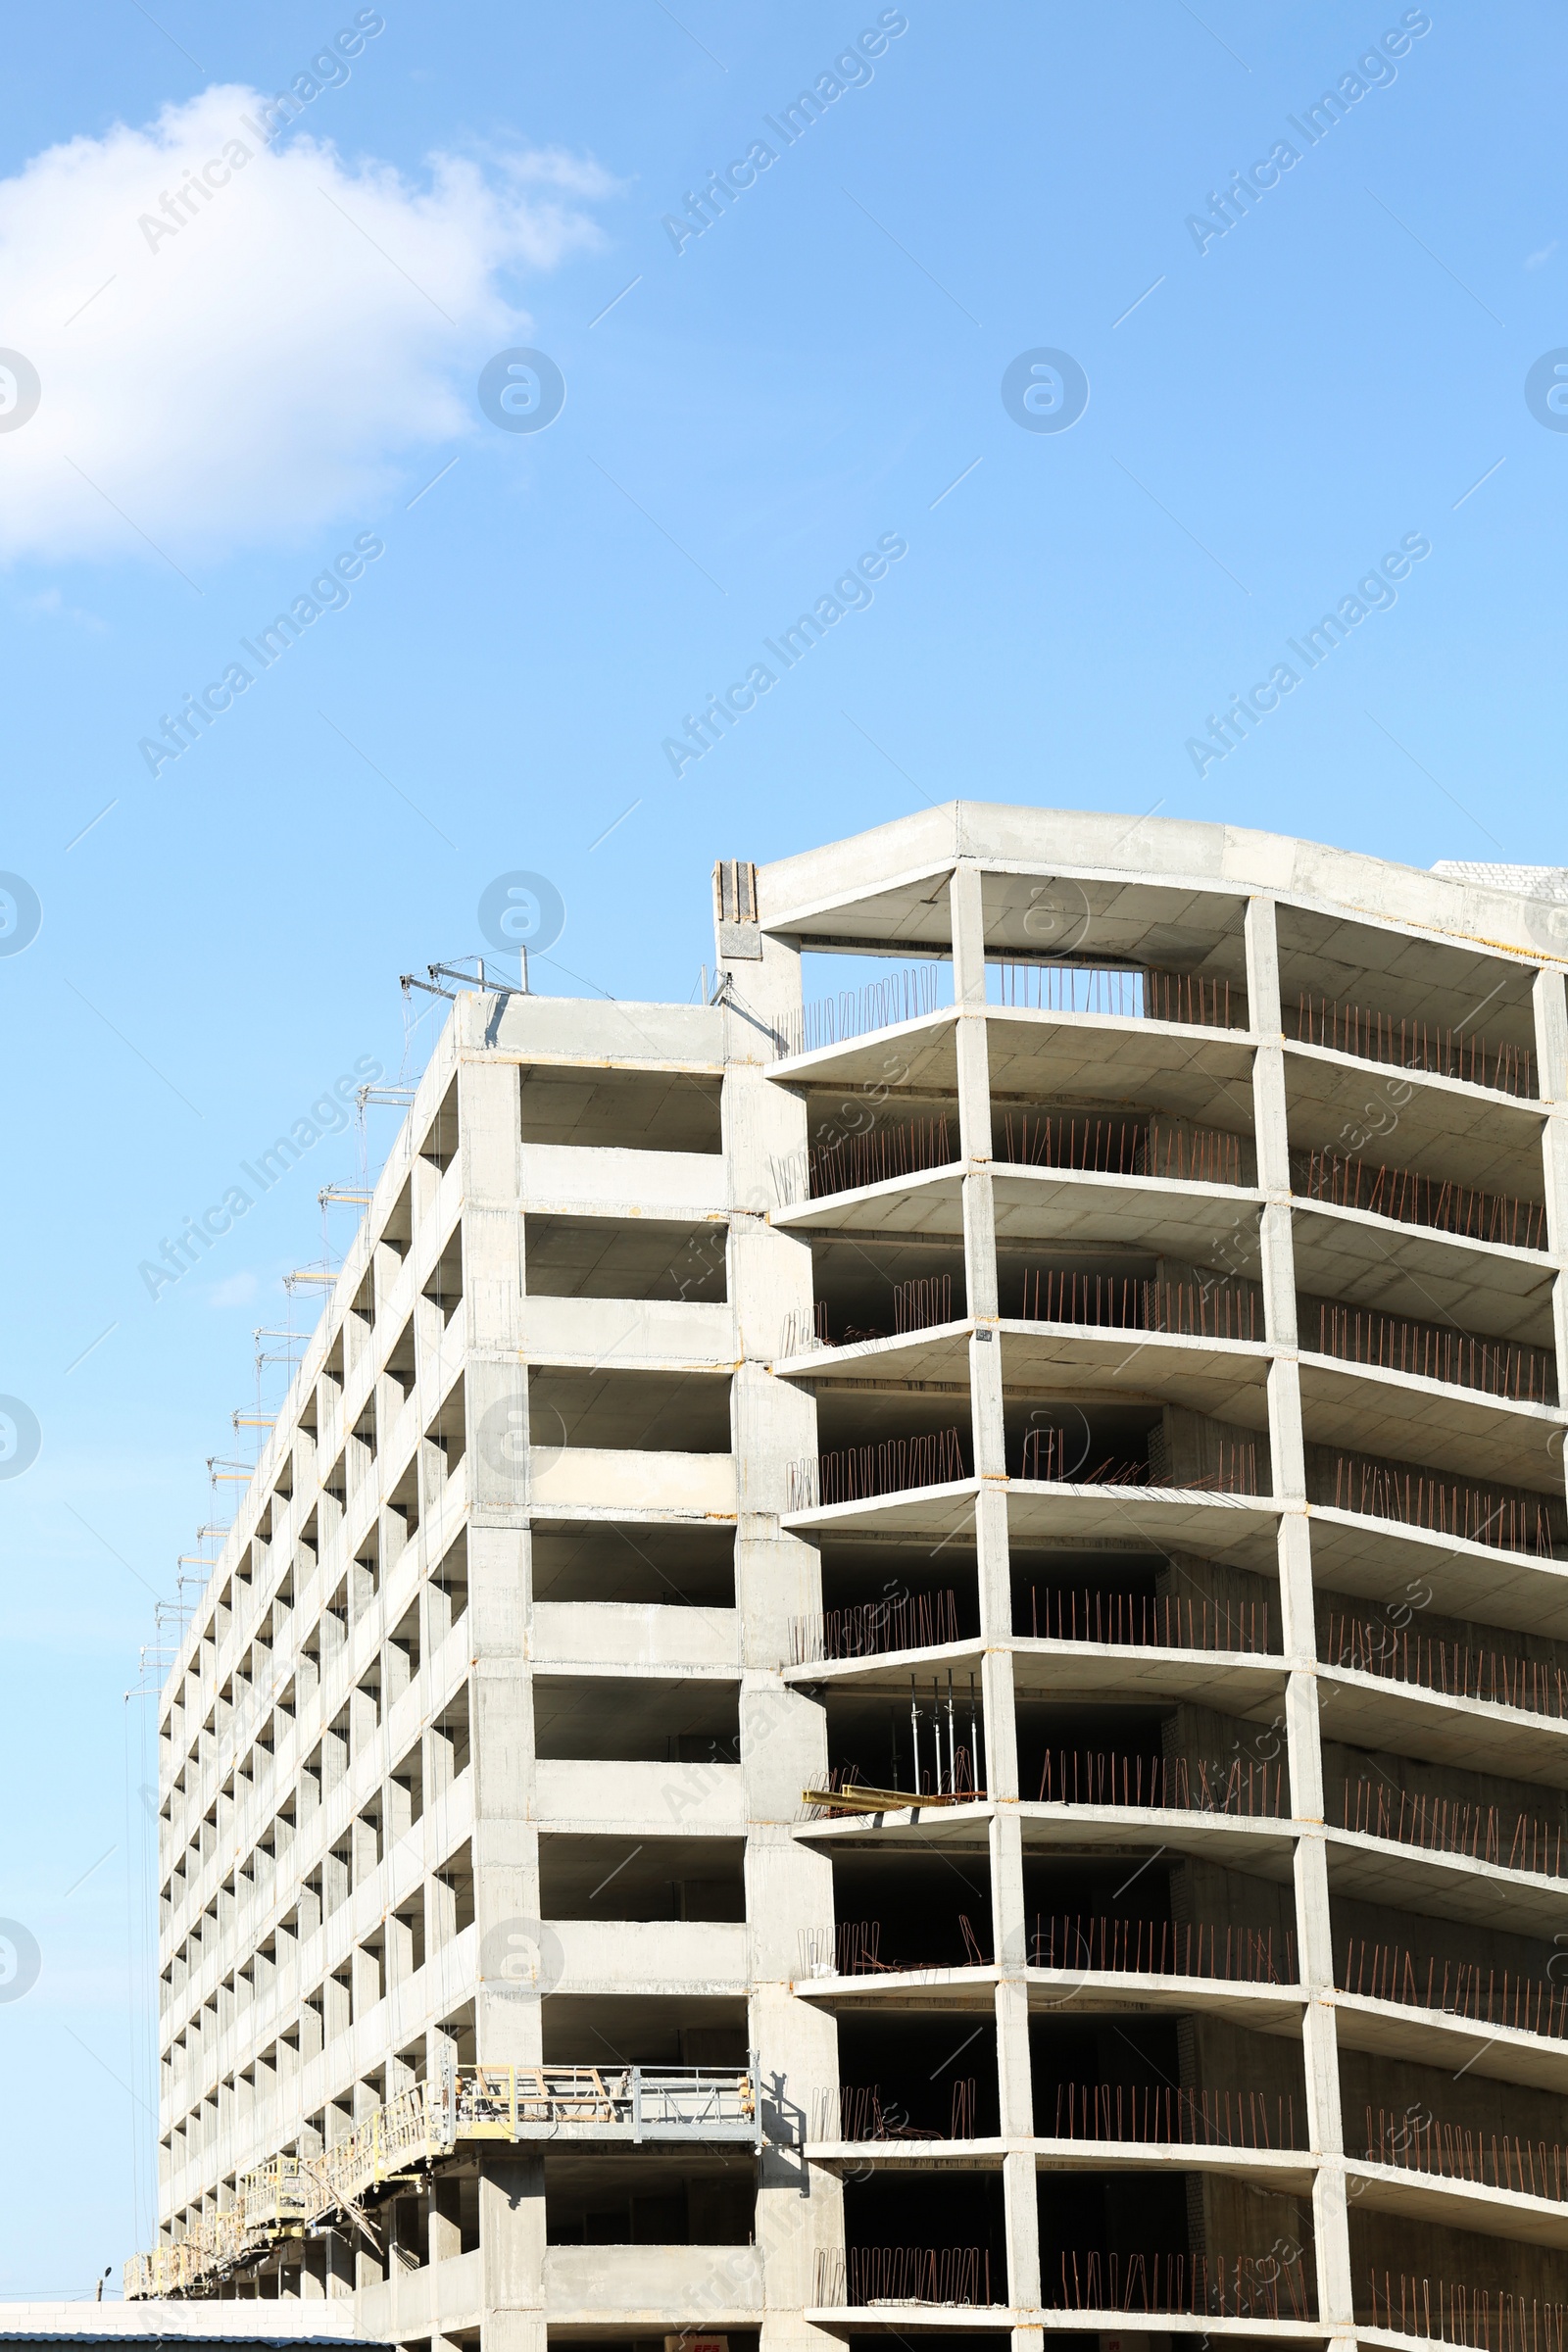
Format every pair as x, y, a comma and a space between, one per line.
899, 1662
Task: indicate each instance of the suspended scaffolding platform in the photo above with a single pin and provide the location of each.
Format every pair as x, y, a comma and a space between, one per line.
297, 2196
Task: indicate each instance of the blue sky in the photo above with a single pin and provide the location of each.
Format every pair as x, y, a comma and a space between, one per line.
237, 388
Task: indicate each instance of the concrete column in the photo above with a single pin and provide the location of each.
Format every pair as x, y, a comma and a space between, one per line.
367, 1981
1015, 2079
1302, 1738
394, 1673
967, 917
440, 1914
361, 1722
438, 1765
511, 2253
444, 2237
437, 1617
980, 1251
1277, 1259
429, 1330
362, 1846
506, 1842
432, 1468
399, 1935
337, 2012
988, 1430
339, 2266
789, 1888
491, 1151
334, 1884
440, 2053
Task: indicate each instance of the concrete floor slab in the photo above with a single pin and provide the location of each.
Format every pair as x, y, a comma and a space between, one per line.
1369, 1710
1463, 1432
1376, 1870
1412, 1568
1234, 1681
1458, 2045
1457, 2204
1225, 1378
1135, 1519
1472, 1135
1418, 1272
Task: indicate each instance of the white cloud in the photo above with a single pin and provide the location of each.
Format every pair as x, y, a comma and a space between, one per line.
1533, 261
283, 357
51, 603
237, 1290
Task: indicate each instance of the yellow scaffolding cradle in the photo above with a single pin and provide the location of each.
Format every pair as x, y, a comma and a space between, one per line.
295, 2197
